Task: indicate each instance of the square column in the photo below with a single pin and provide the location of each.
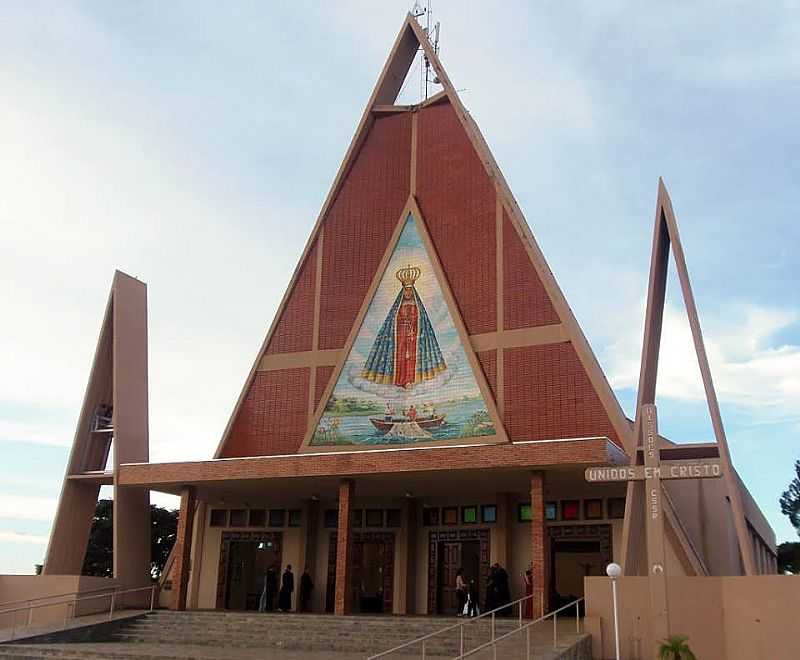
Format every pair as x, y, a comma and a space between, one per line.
183, 548
344, 548
538, 546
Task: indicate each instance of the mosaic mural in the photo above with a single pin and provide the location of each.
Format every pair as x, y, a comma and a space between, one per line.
407, 378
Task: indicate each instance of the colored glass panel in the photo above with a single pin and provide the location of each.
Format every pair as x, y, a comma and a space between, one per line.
570, 510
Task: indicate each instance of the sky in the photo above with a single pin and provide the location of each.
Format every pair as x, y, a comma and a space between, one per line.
191, 144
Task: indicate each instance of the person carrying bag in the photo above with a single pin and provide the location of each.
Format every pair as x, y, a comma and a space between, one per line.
461, 592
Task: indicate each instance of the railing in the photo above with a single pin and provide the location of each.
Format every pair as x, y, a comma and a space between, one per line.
70, 605
424, 640
527, 628
30, 601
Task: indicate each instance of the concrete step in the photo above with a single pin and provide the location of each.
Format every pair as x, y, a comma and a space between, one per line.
98, 651
166, 635
292, 631
186, 652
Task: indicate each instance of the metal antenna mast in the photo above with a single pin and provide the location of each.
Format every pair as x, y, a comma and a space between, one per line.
425, 66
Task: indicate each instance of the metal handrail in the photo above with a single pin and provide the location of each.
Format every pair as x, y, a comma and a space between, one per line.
527, 628
65, 595
71, 602
453, 626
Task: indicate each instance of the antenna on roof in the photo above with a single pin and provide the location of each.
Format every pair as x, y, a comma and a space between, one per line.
417, 12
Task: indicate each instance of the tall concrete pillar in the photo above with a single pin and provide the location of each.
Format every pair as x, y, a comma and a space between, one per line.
131, 444
344, 547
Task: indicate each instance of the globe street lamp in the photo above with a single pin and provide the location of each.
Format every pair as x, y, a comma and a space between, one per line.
614, 571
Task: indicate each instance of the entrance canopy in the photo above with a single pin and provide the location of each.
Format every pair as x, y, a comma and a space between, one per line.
405, 468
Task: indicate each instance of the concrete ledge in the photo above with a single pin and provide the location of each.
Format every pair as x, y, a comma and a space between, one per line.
95, 628
580, 650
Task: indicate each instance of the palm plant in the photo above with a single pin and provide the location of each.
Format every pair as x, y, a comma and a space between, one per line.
675, 648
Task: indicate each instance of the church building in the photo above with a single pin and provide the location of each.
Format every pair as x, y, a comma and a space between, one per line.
439, 416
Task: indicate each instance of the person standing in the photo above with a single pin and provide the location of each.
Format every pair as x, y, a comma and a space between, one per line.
461, 591
287, 588
527, 581
270, 588
491, 590
306, 587
472, 599
502, 589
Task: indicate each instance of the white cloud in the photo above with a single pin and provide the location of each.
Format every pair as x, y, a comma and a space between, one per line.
18, 537
26, 481
35, 431
27, 507
94, 183
493, 59
747, 369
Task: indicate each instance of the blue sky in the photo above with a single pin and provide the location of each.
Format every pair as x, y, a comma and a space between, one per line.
192, 144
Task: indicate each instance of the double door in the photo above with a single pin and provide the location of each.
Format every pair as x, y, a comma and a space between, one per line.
371, 573
455, 555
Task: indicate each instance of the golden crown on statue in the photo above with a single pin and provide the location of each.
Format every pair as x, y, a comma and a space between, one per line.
408, 275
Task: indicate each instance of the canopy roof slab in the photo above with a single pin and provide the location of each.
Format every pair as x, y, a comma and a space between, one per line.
426, 463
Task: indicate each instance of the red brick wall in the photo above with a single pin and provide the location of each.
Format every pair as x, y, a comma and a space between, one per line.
272, 418
525, 301
548, 395
323, 376
296, 325
360, 223
458, 201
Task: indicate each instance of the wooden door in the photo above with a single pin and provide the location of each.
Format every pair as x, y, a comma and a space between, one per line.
451, 562
356, 564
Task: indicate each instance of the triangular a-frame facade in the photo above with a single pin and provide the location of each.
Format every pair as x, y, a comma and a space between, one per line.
666, 239
543, 379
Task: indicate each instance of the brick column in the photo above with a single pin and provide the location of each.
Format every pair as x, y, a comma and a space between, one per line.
538, 546
183, 547
344, 546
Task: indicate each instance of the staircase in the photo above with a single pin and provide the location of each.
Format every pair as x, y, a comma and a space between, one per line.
308, 632
214, 634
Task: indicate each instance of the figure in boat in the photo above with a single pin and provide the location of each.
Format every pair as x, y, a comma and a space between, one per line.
410, 419
406, 350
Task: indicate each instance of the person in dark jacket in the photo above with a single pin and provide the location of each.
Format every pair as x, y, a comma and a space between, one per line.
271, 588
490, 602
287, 588
306, 587
502, 589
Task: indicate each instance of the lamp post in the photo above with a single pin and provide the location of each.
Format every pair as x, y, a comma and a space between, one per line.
614, 571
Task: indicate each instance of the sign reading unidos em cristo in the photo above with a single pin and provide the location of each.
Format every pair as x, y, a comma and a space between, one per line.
682, 470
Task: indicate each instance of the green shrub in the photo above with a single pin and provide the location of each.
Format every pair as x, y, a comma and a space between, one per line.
675, 648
